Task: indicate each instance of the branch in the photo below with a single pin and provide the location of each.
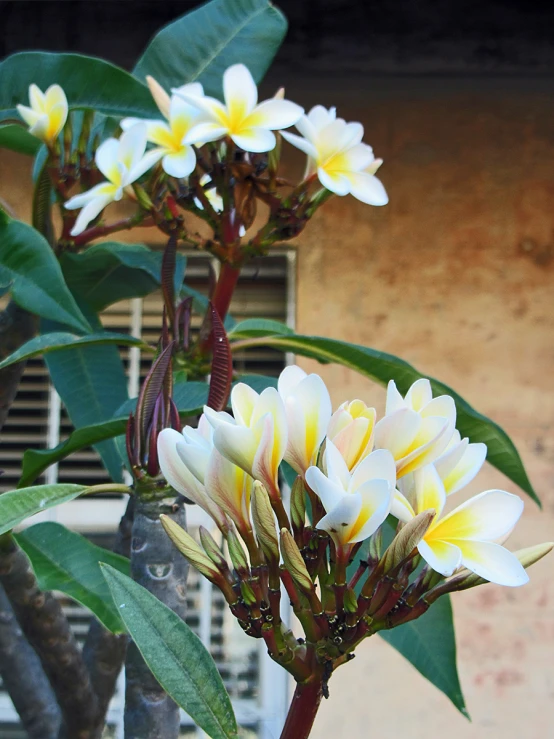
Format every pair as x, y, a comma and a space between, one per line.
16, 327
44, 624
104, 652
159, 567
24, 678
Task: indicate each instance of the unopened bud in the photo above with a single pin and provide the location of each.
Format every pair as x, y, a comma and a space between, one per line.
280, 94
350, 601
247, 593
407, 540
298, 504
264, 522
294, 562
530, 555
237, 553
142, 197
189, 548
212, 549
161, 98
274, 156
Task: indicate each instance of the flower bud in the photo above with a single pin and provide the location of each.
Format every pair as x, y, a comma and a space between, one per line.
161, 98
212, 549
189, 548
247, 593
264, 522
530, 555
294, 562
237, 553
406, 540
298, 504
350, 601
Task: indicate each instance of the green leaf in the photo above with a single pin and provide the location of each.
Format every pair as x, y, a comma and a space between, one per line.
17, 505
92, 384
63, 340
17, 138
430, 645
112, 92
202, 44
252, 327
27, 261
178, 659
109, 272
66, 561
189, 398
383, 367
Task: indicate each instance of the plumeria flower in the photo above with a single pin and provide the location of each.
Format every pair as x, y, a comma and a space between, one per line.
121, 161
230, 487
248, 123
48, 112
468, 536
343, 164
460, 462
255, 439
416, 429
184, 460
356, 502
351, 430
178, 158
308, 410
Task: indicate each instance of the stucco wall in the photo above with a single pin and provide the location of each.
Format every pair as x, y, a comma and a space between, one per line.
455, 276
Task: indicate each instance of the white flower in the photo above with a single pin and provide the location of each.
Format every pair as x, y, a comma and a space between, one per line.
48, 112
121, 162
308, 409
178, 157
343, 164
212, 195
356, 503
416, 429
351, 430
249, 124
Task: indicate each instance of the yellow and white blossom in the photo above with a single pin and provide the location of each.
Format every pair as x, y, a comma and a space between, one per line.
356, 502
460, 462
351, 430
248, 123
47, 113
343, 164
416, 429
230, 487
308, 410
178, 157
255, 439
468, 536
121, 161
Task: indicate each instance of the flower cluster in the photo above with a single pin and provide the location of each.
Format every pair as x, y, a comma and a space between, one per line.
354, 473
190, 119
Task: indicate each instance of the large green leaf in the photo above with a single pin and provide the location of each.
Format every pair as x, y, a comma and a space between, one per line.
260, 327
178, 659
65, 561
189, 398
429, 644
109, 272
17, 505
92, 384
88, 83
27, 261
202, 44
383, 367
63, 340
18, 139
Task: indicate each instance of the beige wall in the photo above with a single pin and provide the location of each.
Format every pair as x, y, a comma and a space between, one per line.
455, 276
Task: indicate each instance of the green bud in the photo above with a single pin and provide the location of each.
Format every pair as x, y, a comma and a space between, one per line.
298, 504
189, 548
142, 197
247, 594
264, 522
212, 549
237, 553
350, 601
406, 540
294, 562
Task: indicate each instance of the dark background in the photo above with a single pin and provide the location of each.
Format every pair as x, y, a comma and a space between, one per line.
325, 37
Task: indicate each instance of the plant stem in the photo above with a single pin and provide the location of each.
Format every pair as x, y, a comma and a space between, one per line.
303, 709
159, 567
104, 230
224, 289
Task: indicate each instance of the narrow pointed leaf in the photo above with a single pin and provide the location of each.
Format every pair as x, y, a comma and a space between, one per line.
222, 364
65, 561
17, 505
382, 367
429, 643
63, 340
178, 659
251, 327
28, 263
203, 43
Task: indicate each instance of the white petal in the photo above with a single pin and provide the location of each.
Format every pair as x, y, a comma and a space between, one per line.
308, 410
255, 139
180, 164
243, 401
128, 123
339, 521
419, 395
144, 164
227, 486
487, 516
29, 115
394, 400
452, 455
466, 469
174, 469
201, 133
269, 452
441, 556
429, 490
494, 563
239, 89
330, 493
350, 135
195, 458
37, 98
54, 97
333, 181
303, 144
397, 431
238, 444
335, 466
367, 188
355, 441
275, 114
106, 159
376, 504
191, 88
319, 117
442, 406
377, 465
401, 508
356, 158
270, 403
40, 127
217, 418
132, 145
428, 444
90, 211
289, 379
80, 200
161, 98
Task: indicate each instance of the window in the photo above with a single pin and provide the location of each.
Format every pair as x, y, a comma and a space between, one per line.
258, 687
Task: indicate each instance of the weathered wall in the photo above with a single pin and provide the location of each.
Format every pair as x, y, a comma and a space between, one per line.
455, 276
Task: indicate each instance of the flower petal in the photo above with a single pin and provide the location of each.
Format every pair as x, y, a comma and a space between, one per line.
201, 133
181, 163
289, 379
376, 504
428, 444
230, 488
132, 145
334, 181
429, 490
174, 469
144, 164
367, 188
238, 444
254, 139
243, 402
465, 470
377, 465
161, 98
80, 200
106, 159
37, 98
239, 90
442, 556
303, 144
319, 117
335, 466
401, 508
340, 521
395, 401
354, 441
274, 114
29, 115
195, 457
330, 493
308, 411
269, 453
54, 97
397, 431
493, 562
92, 209
419, 395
